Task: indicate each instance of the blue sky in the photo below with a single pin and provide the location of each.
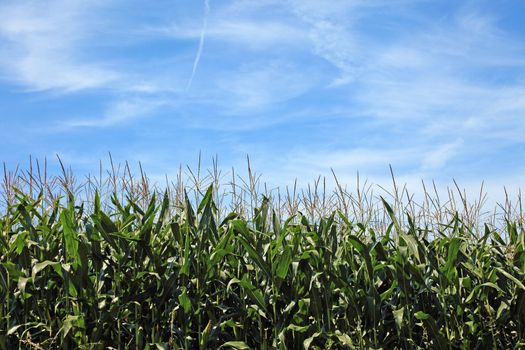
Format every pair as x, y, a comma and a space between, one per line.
435, 88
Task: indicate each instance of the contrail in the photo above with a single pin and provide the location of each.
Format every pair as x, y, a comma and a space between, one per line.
201, 42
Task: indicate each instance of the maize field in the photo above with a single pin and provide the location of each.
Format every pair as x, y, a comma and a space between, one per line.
151, 269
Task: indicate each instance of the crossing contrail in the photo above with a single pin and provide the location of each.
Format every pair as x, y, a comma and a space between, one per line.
201, 42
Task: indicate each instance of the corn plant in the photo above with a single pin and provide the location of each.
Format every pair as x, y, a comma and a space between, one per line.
150, 270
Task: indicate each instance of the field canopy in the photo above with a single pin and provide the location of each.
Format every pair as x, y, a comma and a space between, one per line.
242, 190
117, 261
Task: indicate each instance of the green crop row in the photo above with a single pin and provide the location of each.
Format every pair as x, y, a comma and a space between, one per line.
168, 276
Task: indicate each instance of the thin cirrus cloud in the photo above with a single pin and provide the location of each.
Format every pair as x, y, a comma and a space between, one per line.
261, 84
41, 42
438, 157
201, 42
255, 35
430, 87
118, 113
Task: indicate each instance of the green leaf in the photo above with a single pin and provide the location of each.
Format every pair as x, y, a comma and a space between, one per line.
392, 215
70, 235
68, 323
253, 293
398, 317
203, 344
356, 242
299, 329
12, 269
22, 282
283, 264
96, 204
412, 245
420, 315
40, 266
190, 215
453, 249
185, 270
345, 339
163, 213
512, 278
185, 301
206, 200
19, 242
13, 330
256, 257
308, 341
239, 345
475, 290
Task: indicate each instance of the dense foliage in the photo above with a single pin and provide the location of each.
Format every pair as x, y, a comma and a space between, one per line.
153, 277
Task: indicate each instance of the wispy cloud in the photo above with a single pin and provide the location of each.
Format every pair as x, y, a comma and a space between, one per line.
118, 113
431, 85
201, 42
255, 86
257, 35
41, 42
431, 88
438, 157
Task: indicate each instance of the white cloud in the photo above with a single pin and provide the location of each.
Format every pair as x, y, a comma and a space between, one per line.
312, 10
358, 158
251, 34
331, 38
119, 112
257, 86
433, 82
42, 40
435, 89
338, 46
438, 157
201, 42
